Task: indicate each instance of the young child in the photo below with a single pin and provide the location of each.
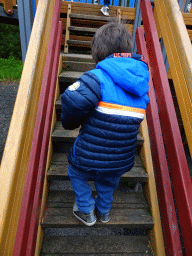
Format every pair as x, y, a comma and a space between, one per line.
109, 103
105, 8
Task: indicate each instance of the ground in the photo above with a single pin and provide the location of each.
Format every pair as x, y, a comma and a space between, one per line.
8, 92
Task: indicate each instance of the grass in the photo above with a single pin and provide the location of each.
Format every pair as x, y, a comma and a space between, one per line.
10, 69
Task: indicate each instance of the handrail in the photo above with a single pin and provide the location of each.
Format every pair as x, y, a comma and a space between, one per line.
179, 171
8, 5
29, 215
163, 183
179, 53
17, 148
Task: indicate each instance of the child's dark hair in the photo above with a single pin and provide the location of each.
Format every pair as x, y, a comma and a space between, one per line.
111, 38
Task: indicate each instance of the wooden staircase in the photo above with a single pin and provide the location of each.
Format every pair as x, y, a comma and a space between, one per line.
80, 27
127, 231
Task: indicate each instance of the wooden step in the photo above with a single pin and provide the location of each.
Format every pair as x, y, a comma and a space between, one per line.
77, 57
61, 135
96, 245
79, 42
78, 66
90, 17
82, 29
129, 210
59, 166
69, 76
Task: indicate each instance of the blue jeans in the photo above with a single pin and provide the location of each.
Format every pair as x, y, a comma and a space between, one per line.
105, 185
106, 2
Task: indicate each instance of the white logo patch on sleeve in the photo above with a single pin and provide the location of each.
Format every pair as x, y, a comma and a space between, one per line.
74, 86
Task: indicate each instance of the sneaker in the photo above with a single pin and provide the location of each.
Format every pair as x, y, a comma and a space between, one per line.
89, 219
96, 2
103, 218
105, 10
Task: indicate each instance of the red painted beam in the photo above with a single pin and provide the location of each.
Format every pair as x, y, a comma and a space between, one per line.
163, 183
44, 150
178, 167
22, 236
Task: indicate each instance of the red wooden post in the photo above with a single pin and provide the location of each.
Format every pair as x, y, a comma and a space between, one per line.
179, 170
165, 195
22, 237
44, 150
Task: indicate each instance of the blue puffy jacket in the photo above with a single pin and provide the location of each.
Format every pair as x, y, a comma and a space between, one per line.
109, 103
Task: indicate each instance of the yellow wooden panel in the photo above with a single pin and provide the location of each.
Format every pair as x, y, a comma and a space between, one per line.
157, 21
179, 52
156, 234
18, 145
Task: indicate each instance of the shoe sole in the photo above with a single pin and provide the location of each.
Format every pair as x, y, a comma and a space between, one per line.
87, 224
104, 13
103, 221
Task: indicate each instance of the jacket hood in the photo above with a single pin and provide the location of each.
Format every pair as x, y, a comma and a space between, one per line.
130, 73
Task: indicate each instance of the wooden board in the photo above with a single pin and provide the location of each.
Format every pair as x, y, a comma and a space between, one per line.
128, 210
78, 66
59, 134
59, 166
90, 9
69, 76
77, 57
96, 245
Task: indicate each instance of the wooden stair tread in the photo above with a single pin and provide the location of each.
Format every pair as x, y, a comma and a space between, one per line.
78, 66
96, 245
79, 42
90, 17
82, 29
70, 76
129, 210
59, 166
77, 57
59, 134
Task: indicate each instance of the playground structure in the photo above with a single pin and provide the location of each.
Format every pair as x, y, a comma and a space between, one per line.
25, 167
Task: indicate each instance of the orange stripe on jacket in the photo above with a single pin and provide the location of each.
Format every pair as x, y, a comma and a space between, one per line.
121, 107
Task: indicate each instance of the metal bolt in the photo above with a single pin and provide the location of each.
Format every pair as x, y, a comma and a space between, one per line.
9, 11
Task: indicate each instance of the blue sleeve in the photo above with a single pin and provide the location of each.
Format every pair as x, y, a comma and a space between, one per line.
79, 99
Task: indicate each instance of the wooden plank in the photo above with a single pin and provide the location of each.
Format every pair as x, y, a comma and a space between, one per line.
60, 134
59, 166
82, 29
59, 172
97, 245
78, 66
91, 24
127, 13
79, 42
25, 244
69, 76
136, 199
165, 194
68, 23
90, 17
187, 18
179, 53
45, 187
61, 158
17, 148
133, 213
126, 218
77, 57
178, 166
